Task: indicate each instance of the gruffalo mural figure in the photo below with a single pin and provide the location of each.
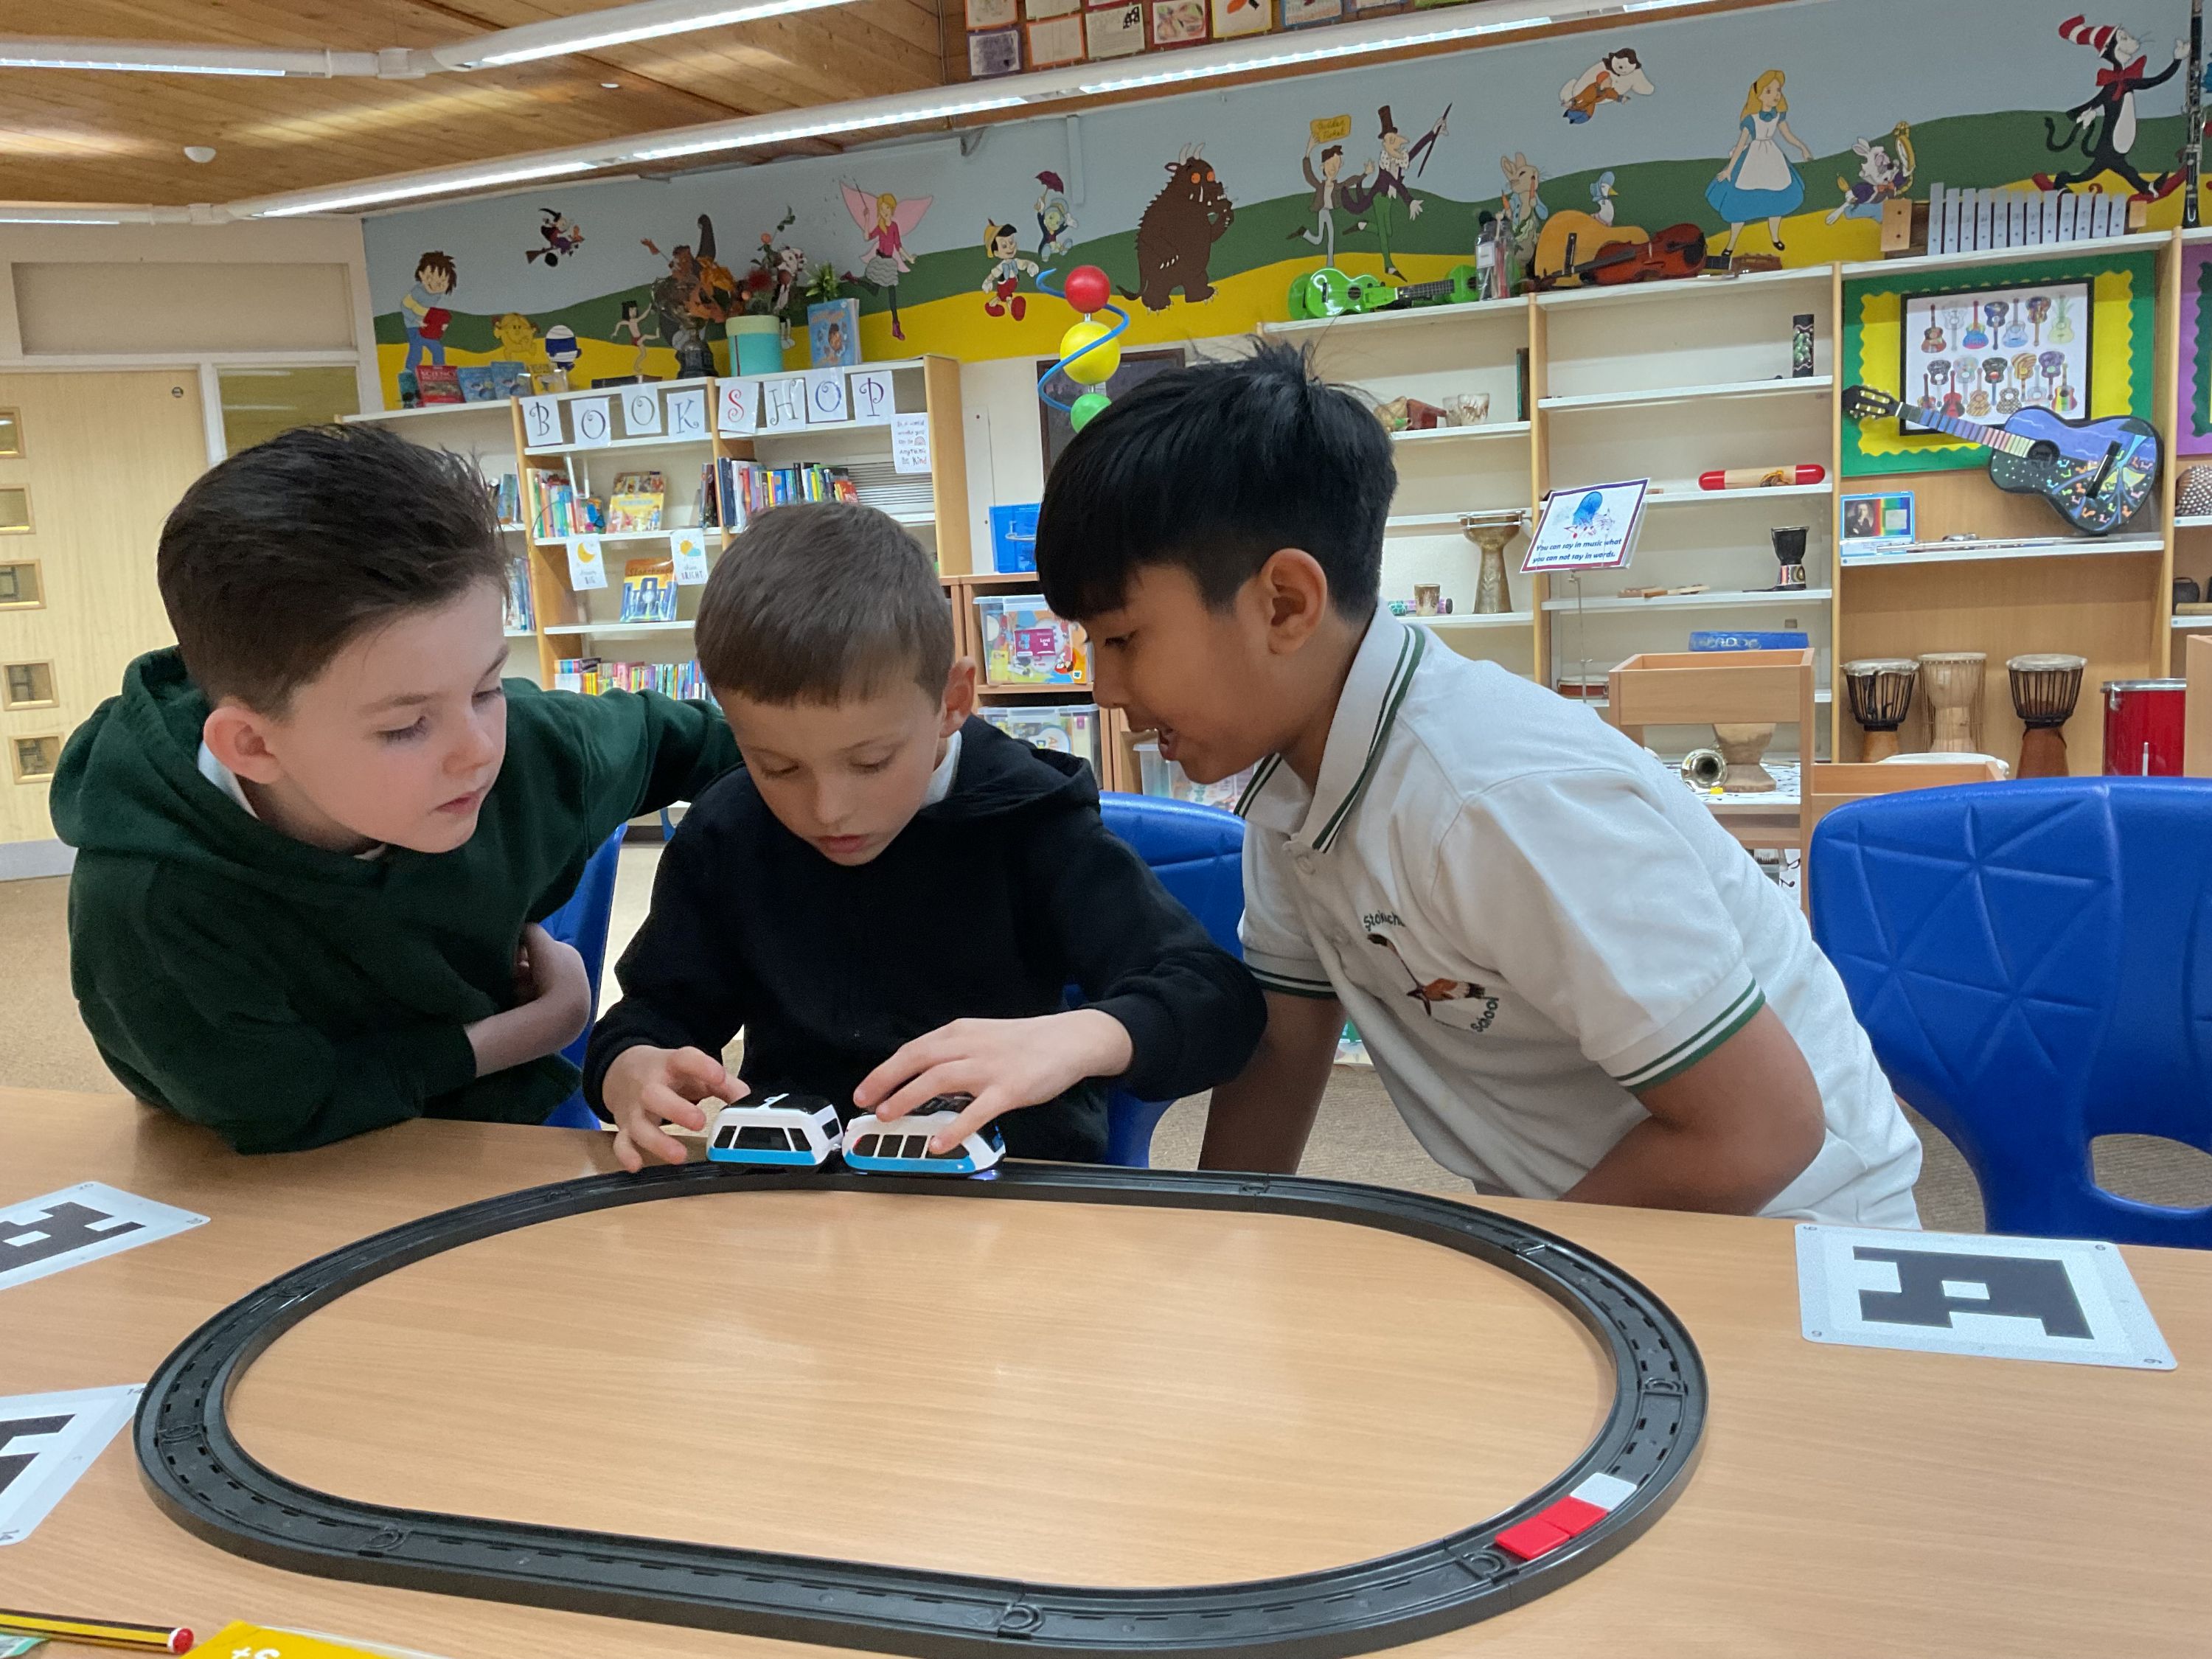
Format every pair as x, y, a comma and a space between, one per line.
1176, 237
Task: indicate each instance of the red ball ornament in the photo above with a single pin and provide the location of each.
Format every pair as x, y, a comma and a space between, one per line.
1087, 288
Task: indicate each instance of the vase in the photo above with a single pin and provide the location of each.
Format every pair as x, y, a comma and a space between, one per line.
756, 345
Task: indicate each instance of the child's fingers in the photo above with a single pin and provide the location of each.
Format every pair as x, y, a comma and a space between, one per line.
662, 1103
912, 1058
954, 1077
695, 1070
626, 1154
654, 1146
980, 1111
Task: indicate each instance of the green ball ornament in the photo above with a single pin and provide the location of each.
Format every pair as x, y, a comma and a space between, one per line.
1087, 409
1097, 366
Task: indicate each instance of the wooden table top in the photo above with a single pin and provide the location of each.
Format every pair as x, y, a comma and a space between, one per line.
1083, 1393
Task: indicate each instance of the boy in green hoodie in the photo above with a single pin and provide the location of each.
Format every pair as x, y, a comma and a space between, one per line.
315, 839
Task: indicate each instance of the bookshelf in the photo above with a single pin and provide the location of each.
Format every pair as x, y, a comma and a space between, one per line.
675, 430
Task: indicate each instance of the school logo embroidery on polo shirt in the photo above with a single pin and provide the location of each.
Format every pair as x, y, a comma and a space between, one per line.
1429, 992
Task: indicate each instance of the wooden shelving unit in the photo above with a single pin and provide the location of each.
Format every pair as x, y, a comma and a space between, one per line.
569, 623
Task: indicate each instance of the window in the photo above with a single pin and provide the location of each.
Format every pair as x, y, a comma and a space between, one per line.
956, 1154
27, 685
15, 510
257, 403
11, 432
19, 586
724, 1136
34, 758
764, 1138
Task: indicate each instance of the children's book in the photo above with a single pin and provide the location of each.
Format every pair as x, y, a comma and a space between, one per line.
649, 589
438, 383
475, 383
637, 502
1026, 644
518, 618
510, 379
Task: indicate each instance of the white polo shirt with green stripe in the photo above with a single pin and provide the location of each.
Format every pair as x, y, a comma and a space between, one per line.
1529, 919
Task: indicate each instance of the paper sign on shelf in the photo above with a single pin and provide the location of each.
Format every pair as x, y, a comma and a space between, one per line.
1588, 527
825, 397
687, 549
81, 1223
48, 1440
736, 409
870, 390
586, 568
541, 422
783, 403
642, 412
687, 413
910, 443
594, 420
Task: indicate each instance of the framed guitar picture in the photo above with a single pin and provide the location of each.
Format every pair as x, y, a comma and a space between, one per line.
1986, 354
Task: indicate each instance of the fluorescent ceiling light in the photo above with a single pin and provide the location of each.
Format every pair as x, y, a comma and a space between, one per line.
615, 27
12, 216
17, 57
399, 191
851, 123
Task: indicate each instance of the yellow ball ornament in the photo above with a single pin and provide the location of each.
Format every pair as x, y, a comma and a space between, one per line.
1093, 367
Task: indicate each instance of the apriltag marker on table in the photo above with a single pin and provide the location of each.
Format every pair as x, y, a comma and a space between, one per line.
47, 1441
2068, 1300
79, 1224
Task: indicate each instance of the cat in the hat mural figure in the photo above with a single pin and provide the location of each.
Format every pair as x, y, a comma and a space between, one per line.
2105, 121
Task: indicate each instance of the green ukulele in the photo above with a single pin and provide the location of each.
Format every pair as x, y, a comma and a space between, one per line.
1329, 292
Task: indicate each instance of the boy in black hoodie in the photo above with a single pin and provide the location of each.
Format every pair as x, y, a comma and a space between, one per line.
892, 898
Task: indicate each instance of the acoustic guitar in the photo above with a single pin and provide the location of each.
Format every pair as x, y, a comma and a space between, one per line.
2095, 474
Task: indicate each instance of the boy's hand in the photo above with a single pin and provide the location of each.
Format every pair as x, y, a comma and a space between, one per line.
1005, 1064
644, 1088
553, 1003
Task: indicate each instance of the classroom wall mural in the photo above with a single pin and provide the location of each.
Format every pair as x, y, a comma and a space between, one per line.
1780, 132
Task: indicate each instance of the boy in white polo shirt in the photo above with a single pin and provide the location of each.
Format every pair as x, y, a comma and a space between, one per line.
1573, 982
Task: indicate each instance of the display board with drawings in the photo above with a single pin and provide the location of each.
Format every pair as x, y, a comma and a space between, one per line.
1986, 354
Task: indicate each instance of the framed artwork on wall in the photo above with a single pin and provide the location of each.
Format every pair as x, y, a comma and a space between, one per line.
1986, 354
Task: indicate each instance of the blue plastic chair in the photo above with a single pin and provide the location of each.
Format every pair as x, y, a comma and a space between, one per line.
582, 922
1197, 853
2034, 962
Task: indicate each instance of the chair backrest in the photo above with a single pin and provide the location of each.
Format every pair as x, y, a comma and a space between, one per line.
1197, 852
2033, 962
582, 922
2197, 732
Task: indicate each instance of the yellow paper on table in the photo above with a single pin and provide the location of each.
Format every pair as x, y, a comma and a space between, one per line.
253, 1642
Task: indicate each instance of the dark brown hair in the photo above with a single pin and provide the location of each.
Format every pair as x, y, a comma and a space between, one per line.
440, 263
278, 556
820, 603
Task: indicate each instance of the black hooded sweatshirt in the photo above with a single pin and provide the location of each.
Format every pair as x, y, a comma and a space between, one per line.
987, 905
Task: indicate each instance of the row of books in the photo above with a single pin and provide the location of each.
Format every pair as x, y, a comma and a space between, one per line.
733, 491
520, 617
463, 383
592, 675
557, 511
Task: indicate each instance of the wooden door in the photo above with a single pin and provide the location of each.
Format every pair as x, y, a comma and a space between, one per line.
103, 456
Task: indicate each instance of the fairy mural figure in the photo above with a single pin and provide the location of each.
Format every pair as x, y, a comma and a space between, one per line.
884, 223
1055, 219
1372, 195
1003, 244
1757, 181
424, 311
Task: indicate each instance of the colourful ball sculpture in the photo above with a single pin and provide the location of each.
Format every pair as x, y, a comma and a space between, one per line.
1087, 288
1086, 409
1091, 367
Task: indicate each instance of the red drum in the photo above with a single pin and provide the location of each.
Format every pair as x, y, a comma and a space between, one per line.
2143, 726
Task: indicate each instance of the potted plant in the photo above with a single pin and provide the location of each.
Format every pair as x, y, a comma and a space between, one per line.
767, 295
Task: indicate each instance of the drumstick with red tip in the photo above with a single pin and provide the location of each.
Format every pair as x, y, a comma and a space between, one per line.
1763, 477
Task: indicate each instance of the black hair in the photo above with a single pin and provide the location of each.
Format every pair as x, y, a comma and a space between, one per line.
276, 558
823, 602
1212, 468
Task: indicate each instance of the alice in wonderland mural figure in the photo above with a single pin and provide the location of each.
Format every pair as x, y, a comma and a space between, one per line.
1757, 181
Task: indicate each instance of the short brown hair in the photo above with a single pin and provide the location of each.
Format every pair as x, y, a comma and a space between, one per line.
823, 602
279, 556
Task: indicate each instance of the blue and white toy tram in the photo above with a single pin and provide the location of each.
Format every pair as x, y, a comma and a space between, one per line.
789, 1130
902, 1147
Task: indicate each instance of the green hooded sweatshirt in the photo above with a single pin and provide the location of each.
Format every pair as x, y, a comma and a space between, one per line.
288, 997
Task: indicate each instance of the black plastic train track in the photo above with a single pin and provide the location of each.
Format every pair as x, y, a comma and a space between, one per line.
202, 1477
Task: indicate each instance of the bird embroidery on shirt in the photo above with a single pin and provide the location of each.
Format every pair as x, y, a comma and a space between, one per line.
1429, 993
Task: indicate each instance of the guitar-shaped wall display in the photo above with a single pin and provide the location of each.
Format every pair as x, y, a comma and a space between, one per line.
2096, 474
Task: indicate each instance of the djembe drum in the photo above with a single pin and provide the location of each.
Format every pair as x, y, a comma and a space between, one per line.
1881, 693
1954, 700
1491, 532
2045, 686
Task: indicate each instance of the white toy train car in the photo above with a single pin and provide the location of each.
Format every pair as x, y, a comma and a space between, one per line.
788, 1130
902, 1147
